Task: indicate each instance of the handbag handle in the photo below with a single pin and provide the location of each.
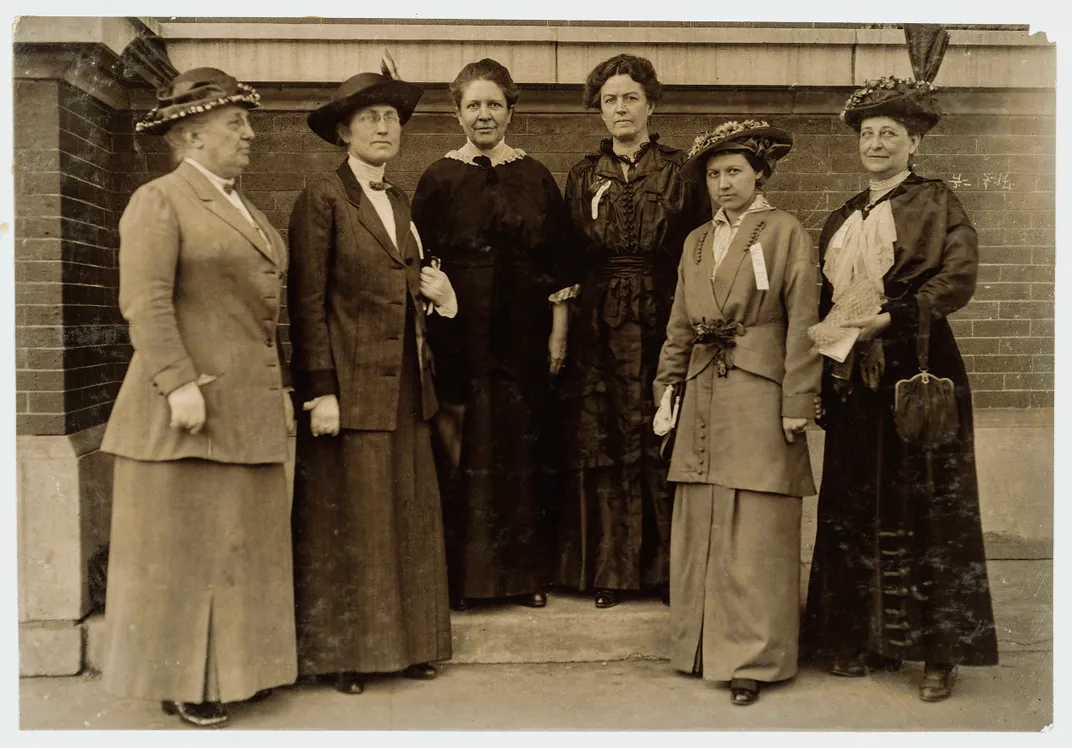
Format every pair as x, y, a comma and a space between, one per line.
924, 339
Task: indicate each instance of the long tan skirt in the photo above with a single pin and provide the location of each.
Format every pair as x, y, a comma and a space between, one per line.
734, 583
200, 602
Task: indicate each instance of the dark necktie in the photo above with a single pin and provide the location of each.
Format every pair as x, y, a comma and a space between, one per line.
228, 188
379, 186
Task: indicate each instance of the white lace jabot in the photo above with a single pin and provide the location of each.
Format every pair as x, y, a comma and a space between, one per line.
500, 154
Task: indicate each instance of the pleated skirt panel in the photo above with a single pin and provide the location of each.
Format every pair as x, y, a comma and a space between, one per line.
200, 602
734, 583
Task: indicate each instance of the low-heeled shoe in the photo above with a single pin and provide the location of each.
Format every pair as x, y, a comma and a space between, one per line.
208, 714
420, 671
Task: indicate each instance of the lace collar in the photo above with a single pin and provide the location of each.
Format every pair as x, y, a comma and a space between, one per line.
606, 147
499, 155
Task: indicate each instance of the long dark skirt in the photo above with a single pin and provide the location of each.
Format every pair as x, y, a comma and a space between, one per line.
615, 503
369, 561
899, 567
492, 505
200, 593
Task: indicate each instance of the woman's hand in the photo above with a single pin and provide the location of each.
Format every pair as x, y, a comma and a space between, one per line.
435, 286
556, 350
869, 326
324, 416
793, 426
187, 406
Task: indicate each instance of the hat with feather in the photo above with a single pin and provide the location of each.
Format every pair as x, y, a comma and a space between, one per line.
907, 99
362, 90
195, 92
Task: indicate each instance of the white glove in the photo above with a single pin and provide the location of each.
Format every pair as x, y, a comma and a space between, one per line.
663, 421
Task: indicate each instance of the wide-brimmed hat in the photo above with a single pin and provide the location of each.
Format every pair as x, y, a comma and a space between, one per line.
898, 98
362, 90
904, 98
753, 136
193, 92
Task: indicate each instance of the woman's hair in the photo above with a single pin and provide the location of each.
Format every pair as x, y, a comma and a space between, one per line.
484, 70
175, 137
637, 68
914, 125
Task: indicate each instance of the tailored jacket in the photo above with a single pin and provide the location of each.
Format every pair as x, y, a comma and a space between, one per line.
202, 291
729, 428
347, 295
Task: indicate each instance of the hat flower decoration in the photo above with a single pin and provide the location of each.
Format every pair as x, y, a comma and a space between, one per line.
195, 92
768, 143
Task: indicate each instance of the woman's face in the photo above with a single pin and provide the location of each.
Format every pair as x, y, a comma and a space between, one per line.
625, 108
373, 134
731, 181
221, 139
885, 147
483, 114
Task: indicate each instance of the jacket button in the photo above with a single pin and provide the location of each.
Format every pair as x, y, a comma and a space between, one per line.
268, 343
409, 261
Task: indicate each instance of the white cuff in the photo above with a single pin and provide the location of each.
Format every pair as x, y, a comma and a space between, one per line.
449, 310
565, 294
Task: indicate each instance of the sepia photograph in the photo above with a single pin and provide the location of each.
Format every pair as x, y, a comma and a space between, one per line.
443, 374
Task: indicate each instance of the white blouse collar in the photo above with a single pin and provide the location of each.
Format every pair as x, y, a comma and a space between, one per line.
500, 154
759, 203
365, 172
219, 182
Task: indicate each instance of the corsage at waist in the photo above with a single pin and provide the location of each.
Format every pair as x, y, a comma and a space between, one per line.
720, 336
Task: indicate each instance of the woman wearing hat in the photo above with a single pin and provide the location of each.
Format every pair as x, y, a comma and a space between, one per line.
370, 572
496, 218
631, 210
899, 568
737, 338
200, 597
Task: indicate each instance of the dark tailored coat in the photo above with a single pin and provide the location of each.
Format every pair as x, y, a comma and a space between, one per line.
202, 291
369, 562
614, 524
899, 566
732, 436
349, 342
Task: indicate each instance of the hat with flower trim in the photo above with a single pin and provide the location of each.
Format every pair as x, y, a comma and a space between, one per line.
904, 98
193, 92
754, 136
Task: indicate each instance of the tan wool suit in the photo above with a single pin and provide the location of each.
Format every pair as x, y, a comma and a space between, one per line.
200, 589
735, 538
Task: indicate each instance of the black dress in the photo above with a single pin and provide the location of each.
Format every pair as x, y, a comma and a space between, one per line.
899, 567
499, 232
614, 522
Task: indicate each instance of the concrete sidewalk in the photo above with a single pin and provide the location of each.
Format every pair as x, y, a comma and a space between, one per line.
627, 695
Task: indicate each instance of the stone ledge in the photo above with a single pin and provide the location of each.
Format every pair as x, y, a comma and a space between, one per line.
572, 629
50, 648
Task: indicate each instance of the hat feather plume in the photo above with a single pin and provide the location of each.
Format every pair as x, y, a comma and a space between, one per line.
927, 43
388, 67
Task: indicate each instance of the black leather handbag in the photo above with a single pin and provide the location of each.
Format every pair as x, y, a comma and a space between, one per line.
925, 406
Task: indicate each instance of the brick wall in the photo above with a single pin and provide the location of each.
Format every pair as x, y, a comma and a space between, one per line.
71, 343
1001, 166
